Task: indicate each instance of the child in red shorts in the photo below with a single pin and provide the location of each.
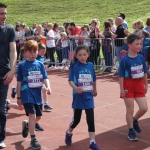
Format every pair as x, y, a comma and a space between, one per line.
133, 84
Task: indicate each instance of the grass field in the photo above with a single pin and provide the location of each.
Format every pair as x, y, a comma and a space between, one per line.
79, 11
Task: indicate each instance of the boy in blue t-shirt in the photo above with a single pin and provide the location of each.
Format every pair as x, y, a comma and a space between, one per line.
40, 57
133, 84
31, 76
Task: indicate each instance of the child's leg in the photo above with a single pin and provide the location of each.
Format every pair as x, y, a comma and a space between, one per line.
44, 94
31, 125
38, 118
142, 103
15, 106
129, 102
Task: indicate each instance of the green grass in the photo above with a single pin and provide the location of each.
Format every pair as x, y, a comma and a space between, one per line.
79, 11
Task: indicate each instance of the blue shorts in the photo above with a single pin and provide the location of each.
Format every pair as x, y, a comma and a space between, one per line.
31, 108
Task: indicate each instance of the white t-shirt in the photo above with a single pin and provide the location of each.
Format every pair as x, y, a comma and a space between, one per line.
21, 34
50, 43
64, 43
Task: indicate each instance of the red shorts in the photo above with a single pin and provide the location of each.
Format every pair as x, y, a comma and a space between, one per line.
135, 88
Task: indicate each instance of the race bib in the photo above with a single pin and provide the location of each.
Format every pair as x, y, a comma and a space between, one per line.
85, 82
137, 72
35, 81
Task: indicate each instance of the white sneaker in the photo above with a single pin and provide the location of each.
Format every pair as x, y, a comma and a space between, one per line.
61, 67
47, 60
52, 67
64, 61
2, 145
57, 68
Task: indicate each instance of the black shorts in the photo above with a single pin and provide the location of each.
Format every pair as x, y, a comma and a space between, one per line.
31, 108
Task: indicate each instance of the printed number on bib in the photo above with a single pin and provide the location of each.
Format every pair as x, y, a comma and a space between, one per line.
137, 72
85, 82
35, 81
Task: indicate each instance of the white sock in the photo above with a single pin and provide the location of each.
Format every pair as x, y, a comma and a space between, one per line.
45, 103
69, 132
91, 141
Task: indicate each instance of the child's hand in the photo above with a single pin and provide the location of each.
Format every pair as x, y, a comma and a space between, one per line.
94, 93
122, 94
146, 88
79, 90
19, 102
48, 91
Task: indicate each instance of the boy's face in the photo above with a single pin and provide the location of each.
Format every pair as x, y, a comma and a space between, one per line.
31, 55
42, 52
136, 46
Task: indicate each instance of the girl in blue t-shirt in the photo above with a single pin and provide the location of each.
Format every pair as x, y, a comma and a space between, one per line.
82, 79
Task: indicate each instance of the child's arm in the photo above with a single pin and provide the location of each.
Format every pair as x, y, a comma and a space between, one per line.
19, 102
47, 84
122, 93
77, 89
145, 82
94, 89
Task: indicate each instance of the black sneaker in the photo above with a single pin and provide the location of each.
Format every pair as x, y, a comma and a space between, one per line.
13, 92
132, 136
38, 127
25, 130
68, 139
34, 144
136, 126
7, 102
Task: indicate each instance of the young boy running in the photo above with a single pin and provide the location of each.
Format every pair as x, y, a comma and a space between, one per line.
133, 84
31, 76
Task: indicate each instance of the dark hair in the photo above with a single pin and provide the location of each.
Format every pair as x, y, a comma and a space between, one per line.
55, 25
72, 24
80, 47
107, 24
66, 24
148, 22
3, 5
146, 33
132, 37
122, 15
16, 28
41, 46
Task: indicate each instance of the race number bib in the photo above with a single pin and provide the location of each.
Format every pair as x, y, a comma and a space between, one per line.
137, 72
35, 81
85, 82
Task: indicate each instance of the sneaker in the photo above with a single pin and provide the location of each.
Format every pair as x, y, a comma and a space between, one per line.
13, 92
68, 139
47, 60
7, 102
34, 144
136, 126
62, 67
93, 146
38, 127
47, 107
25, 130
64, 61
2, 145
132, 136
52, 67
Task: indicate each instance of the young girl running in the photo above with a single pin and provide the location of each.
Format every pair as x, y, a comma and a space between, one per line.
83, 81
133, 84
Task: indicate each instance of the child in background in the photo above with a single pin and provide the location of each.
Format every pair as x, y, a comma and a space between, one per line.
133, 84
40, 57
31, 76
124, 49
145, 45
64, 45
82, 79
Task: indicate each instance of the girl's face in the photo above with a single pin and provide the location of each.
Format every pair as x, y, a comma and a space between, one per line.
137, 26
85, 29
93, 24
141, 34
135, 46
41, 52
82, 56
31, 55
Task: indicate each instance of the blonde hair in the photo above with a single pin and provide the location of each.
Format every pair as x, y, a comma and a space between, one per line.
63, 34
96, 22
61, 29
111, 20
141, 23
50, 25
39, 26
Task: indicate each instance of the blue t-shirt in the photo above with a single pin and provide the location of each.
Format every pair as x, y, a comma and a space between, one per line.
7, 35
40, 58
147, 29
84, 100
128, 62
27, 69
125, 47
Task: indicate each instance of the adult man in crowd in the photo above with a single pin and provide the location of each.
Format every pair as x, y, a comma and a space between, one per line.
118, 35
8, 57
124, 23
29, 33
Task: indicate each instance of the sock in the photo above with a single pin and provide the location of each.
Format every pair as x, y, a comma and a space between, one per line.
68, 132
33, 137
45, 103
91, 141
131, 129
134, 119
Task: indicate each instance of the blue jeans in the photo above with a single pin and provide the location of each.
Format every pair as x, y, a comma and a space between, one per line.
65, 53
3, 97
107, 56
118, 54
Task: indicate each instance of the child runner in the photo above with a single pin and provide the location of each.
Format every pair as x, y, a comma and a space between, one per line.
133, 84
40, 57
82, 79
31, 76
